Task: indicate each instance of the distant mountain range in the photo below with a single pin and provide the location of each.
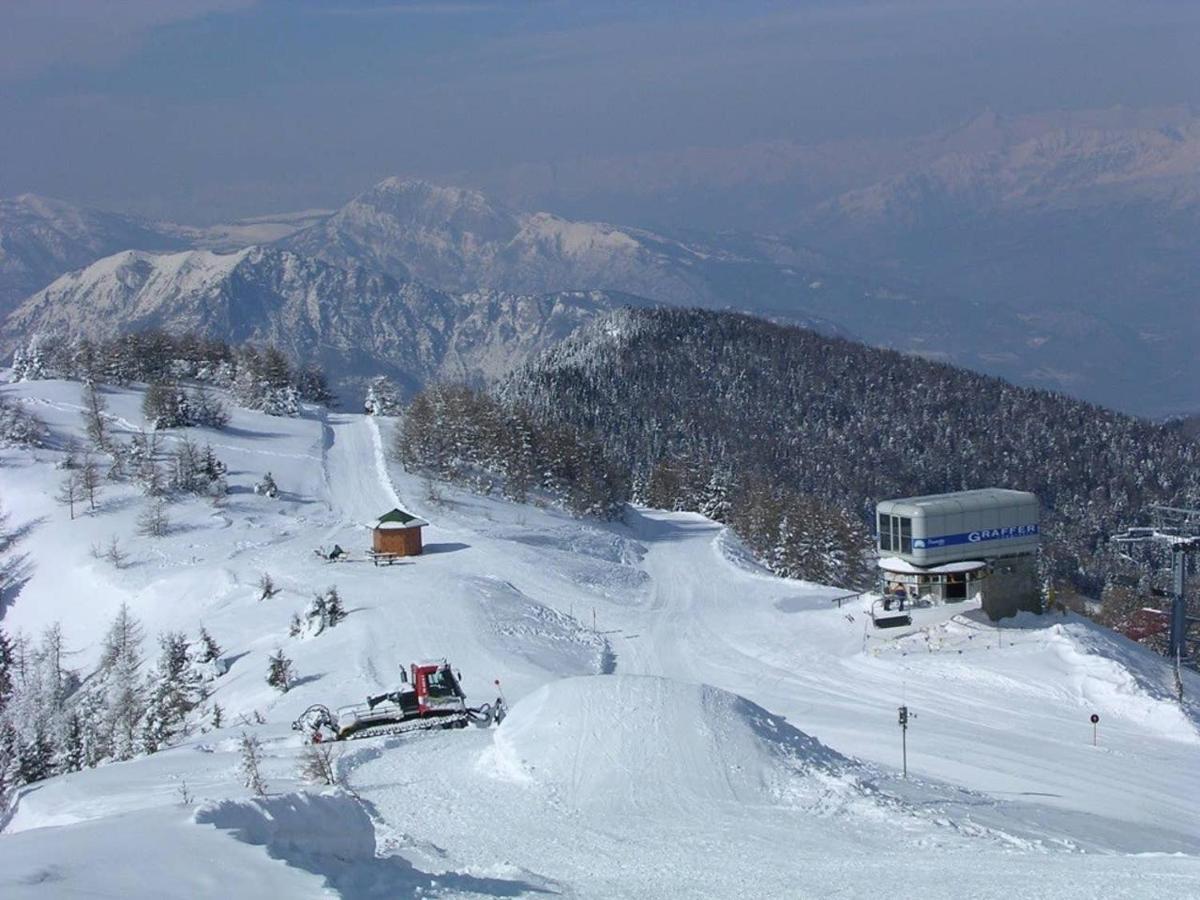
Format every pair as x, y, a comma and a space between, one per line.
354, 321
1055, 252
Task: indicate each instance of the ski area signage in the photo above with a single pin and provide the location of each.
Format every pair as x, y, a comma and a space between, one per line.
976, 537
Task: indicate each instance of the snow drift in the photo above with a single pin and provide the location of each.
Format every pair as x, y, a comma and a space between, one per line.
333, 835
642, 743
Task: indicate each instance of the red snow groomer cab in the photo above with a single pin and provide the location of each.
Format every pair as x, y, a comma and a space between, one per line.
432, 698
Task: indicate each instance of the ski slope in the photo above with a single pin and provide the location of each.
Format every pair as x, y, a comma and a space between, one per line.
683, 724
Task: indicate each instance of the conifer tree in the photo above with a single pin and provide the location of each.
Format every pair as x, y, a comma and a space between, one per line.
209, 650
279, 673
334, 611
72, 756
123, 699
94, 409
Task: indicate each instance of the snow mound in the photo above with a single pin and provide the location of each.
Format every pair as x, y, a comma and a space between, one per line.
646, 744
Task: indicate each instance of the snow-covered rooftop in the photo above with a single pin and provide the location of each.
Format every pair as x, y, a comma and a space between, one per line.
904, 567
397, 520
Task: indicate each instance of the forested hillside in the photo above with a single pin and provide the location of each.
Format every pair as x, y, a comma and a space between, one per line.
697, 404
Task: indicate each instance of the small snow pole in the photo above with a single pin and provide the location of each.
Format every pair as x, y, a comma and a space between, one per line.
904, 717
1095, 721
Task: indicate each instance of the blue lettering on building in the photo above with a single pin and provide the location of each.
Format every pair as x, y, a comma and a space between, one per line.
975, 537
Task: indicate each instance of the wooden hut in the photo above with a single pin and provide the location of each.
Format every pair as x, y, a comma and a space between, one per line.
397, 533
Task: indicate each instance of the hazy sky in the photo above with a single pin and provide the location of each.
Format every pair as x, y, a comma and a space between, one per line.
202, 109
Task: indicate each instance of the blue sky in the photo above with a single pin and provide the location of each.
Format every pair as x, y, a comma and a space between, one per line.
203, 109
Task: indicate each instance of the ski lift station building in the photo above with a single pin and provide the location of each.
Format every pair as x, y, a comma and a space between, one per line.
976, 545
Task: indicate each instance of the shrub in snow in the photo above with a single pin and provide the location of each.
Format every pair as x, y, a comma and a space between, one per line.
318, 764
267, 487
114, 554
266, 587
324, 611
279, 672
250, 748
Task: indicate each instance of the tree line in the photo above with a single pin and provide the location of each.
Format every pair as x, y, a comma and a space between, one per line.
464, 435
53, 721
260, 378
678, 396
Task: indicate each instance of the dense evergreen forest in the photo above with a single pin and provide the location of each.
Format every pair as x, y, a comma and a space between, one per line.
694, 404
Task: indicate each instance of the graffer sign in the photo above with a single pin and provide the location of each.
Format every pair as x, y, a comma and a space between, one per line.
975, 537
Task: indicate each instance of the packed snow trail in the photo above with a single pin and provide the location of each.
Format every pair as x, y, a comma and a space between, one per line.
716, 623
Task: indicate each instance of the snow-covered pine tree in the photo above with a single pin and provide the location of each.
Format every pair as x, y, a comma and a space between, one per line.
334, 610
280, 401
72, 756
207, 409
173, 689
18, 426
312, 385
383, 397
166, 405
7, 669
29, 362
123, 698
35, 753
207, 649
714, 502
279, 672
316, 616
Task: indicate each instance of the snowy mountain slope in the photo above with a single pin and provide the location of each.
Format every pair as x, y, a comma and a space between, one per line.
642, 784
353, 321
458, 240
40, 238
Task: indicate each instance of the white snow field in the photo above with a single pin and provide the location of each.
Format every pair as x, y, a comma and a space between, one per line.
683, 724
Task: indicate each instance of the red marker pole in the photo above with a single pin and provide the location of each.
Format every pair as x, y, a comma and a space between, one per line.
1095, 722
